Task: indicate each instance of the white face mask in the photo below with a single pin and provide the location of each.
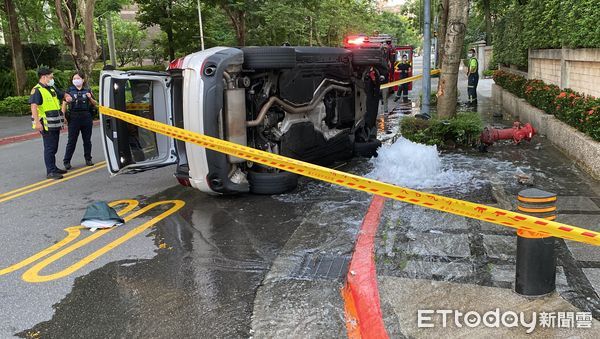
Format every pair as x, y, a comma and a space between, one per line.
78, 82
51, 82
470, 55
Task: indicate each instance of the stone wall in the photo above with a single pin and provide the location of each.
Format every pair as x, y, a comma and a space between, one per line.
578, 69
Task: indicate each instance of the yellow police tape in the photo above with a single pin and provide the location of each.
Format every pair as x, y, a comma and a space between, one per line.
136, 106
405, 80
433, 201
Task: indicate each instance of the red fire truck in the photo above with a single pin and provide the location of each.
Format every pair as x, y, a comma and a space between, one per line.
362, 41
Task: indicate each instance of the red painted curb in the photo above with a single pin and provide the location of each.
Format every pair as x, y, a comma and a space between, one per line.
29, 136
361, 295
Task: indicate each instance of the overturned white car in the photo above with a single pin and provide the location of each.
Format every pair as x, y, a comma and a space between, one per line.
316, 104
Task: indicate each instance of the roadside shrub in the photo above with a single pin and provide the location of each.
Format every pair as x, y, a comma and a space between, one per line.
541, 95
578, 110
7, 84
462, 130
488, 72
512, 82
15, 106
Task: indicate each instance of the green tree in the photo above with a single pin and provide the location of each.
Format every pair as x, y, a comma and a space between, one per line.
76, 19
15, 45
177, 19
128, 40
39, 25
399, 27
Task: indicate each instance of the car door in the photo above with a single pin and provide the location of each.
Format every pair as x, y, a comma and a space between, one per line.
129, 148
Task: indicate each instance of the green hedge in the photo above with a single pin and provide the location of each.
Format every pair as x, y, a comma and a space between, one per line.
573, 108
7, 81
15, 106
545, 24
34, 55
462, 130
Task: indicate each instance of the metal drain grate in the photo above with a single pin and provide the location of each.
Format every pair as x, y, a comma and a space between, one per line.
321, 266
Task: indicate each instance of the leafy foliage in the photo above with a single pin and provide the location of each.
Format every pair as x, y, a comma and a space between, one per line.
34, 55
545, 24
461, 130
15, 106
128, 41
577, 110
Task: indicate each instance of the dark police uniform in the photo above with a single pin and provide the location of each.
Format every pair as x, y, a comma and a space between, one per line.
51, 119
404, 68
79, 117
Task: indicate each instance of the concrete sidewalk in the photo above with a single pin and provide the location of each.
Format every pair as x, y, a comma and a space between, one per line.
429, 260
14, 126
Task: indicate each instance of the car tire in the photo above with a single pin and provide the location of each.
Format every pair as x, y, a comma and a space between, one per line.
269, 57
271, 183
368, 57
366, 149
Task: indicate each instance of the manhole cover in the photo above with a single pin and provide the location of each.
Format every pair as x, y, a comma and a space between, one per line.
322, 266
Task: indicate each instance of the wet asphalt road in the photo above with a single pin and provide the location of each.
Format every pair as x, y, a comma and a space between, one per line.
218, 267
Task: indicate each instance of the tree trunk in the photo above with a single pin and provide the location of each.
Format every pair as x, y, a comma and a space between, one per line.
442, 30
70, 14
458, 13
169, 31
170, 42
242, 28
16, 47
488, 22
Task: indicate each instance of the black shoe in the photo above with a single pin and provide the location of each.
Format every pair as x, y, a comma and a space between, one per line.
60, 171
67, 165
54, 175
89, 163
396, 99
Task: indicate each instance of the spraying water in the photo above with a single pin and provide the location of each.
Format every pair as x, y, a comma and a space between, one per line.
418, 166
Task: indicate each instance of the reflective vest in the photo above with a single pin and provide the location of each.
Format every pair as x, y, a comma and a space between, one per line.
474, 63
49, 110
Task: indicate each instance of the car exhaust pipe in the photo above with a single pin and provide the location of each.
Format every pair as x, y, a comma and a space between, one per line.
235, 118
292, 108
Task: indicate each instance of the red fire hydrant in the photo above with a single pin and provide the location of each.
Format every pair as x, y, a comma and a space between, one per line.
517, 133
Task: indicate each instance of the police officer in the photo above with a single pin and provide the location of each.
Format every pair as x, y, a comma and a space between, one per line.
404, 67
47, 118
473, 76
79, 119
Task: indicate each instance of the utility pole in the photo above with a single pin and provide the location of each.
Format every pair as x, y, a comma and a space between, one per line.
426, 58
436, 26
200, 21
111, 42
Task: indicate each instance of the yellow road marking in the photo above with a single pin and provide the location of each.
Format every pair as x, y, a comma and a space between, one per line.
49, 180
45, 183
72, 233
32, 275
